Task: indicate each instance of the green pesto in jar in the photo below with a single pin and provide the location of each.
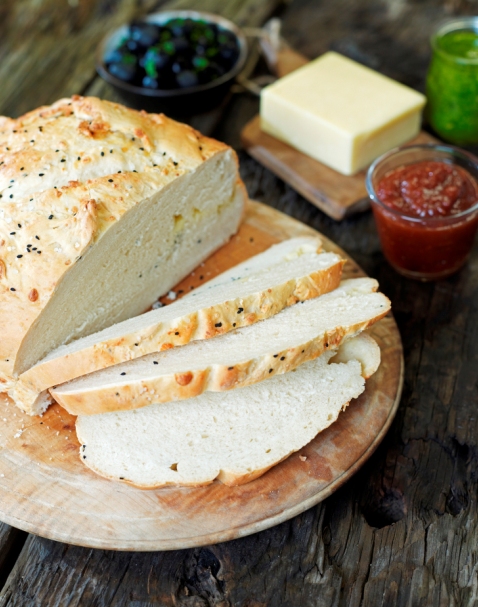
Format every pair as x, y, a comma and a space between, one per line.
452, 83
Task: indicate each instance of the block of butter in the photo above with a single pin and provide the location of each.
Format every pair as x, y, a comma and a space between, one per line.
340, 113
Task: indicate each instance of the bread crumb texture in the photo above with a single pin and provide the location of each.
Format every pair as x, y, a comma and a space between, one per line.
233, 437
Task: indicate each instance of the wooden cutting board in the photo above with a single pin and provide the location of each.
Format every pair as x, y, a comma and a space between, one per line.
46, 490
335, 194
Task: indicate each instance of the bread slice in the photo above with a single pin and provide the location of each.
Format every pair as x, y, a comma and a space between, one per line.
284, 274
103, 209
362, 348
290, 250
234, 437
239, 358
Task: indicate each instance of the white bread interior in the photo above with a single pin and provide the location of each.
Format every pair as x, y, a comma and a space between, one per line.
238, 358
233, 437
158, 242
284, 274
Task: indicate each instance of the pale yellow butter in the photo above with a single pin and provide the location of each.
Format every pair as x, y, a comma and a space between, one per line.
340, 112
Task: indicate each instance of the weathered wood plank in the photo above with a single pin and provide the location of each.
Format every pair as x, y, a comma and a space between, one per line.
48, 49
11, 543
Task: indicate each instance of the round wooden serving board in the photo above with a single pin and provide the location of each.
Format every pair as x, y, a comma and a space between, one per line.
46, 490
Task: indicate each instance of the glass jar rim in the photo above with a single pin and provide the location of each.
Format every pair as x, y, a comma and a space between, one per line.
462, 23
450, 149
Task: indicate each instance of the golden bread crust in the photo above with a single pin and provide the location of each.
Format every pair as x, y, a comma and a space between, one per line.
68, 173
202, 324
215, 378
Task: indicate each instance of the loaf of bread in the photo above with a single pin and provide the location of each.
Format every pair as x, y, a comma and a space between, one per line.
233, 437
284, 274
239, 358
103, 209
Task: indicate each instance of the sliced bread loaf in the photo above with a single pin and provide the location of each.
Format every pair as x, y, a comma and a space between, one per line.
103, 210
284, 274
239, 358
234, 437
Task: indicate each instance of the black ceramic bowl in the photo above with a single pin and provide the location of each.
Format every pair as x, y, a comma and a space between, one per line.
178, 101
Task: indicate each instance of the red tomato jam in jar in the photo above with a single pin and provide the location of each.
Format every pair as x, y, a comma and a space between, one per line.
426, 212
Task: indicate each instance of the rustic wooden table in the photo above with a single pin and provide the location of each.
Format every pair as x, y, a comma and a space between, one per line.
404, 530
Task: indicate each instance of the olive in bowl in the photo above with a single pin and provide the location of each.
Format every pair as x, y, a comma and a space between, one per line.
176, 62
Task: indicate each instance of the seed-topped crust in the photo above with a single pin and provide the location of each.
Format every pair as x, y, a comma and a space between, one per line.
84, 138
68, 173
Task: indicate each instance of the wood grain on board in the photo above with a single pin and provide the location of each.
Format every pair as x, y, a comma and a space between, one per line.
46, 490
335, 194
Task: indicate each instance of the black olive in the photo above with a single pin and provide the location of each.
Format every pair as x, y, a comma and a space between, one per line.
113, 56
132, 45
154, 58
145, 34
186, 78
188, 27
122, 71
179, 66
164, 34
226, 38
150, 83
212, 51
168, 47
181, 45
200, 63
177, 27
228, 52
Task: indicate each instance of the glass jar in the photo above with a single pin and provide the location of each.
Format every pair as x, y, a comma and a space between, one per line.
452, 82
425, 247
